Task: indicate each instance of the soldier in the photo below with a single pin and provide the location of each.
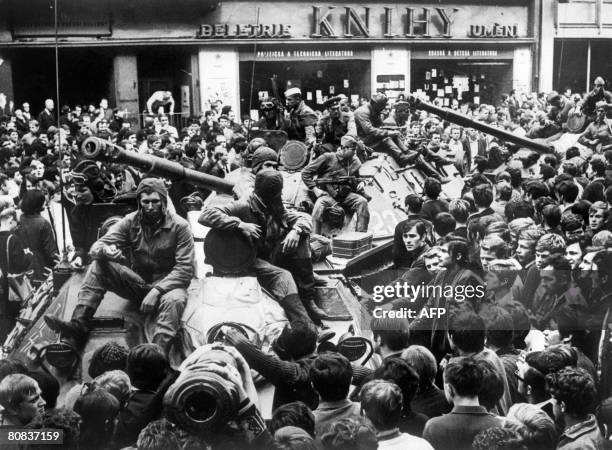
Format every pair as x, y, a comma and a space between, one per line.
271, 115
282, 240
350, 196
160, 244
335, 124
302, 119
368, 124
597, 136
598, 94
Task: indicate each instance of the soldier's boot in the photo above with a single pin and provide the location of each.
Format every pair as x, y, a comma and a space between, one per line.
294, 308
76, 329
315, 310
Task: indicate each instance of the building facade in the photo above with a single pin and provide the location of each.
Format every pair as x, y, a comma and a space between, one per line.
240, 51
576, 40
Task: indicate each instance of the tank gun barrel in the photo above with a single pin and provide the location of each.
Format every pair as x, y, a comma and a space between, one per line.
463, 121
99, 149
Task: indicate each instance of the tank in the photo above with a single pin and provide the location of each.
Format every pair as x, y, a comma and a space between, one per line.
463, 121
117, 319
101, 150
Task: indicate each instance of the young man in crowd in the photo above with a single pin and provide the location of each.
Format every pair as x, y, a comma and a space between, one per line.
462, 382
382, 403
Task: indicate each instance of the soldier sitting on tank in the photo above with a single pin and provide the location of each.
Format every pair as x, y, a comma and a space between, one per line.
302, 119
282, 240
271, 112
368, 124
350, 195
598, 94
597, 136
160, 244
556, 118
334, 124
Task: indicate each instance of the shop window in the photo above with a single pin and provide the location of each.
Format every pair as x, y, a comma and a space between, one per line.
391, 85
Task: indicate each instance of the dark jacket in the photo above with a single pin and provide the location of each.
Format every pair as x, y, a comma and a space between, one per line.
330, 130
476, 225
430, 402
252, 210
432, 207
291, 378
36, 233
46, 119
368, 125
329, 165
134, 417
166, 257
302, 121
18, 262
457, 429
217, 171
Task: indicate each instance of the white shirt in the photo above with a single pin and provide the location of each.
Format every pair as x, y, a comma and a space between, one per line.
404, 441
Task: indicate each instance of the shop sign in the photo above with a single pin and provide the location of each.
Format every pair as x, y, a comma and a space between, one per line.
244, 30
388, 21
415, 23
458, 53
305, 54
493, 31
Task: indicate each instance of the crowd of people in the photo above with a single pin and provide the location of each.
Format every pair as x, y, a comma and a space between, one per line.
521, 359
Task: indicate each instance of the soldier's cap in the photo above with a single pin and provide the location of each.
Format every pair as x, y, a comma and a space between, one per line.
599, 81
293, 92
348, 140
334, 101
601, 105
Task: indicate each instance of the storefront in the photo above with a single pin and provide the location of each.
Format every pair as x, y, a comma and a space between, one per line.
466, 51
231, 51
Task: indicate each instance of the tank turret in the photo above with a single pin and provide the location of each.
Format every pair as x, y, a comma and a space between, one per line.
101, 150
